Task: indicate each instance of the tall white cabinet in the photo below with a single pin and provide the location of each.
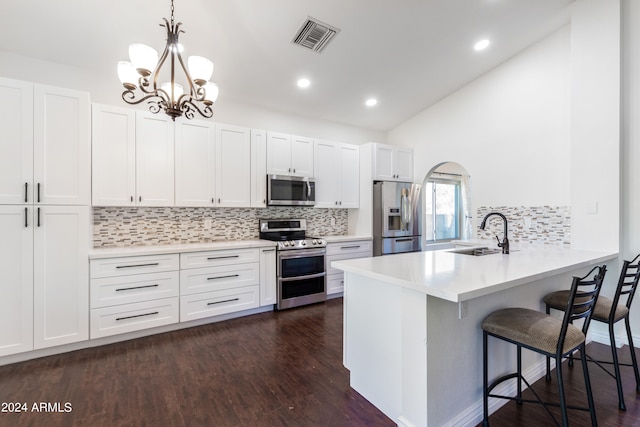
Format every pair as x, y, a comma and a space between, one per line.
44, 216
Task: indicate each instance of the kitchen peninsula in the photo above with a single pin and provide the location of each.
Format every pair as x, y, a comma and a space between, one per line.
412, 336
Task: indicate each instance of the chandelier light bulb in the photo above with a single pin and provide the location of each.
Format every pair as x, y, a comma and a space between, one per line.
178, 90
200, 68
143, 58
127, 74
211, 92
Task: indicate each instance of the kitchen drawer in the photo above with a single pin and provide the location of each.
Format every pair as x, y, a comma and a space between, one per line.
133, 317
335, 283
216, 258
331, 258
109, 291
110, 267
350, 247
216, 303
216, 278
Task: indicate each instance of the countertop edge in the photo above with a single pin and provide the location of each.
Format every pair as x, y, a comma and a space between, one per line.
457, 297
102, 253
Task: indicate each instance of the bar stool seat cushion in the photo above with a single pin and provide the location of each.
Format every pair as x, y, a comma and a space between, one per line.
532, 328
558, 300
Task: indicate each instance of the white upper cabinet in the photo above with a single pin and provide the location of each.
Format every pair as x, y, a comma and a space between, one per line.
337, 173
392, 163
16, 142
44, 145
258, 168
154, 160
62, 146
195, 163
289, 155
113, 153
233, 166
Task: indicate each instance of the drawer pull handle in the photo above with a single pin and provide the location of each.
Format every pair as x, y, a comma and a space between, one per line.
137, 315
223, 277
350, 247
138, 265
220, 302
26, 192
222, 257
137, 287
268, 250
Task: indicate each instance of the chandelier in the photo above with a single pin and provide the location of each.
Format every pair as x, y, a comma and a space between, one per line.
140, 78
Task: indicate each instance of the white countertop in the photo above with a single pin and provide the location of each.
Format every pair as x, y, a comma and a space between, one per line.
97, 253
458, 277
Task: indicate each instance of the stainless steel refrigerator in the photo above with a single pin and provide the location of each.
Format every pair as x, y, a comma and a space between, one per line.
396, 217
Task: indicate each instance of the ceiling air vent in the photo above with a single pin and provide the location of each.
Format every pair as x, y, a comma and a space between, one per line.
314, 35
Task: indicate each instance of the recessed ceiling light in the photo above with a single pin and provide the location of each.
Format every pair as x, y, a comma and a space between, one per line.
304, 83
371, 102
482, 44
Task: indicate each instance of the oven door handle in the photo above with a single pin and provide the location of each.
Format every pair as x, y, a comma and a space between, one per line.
301, 253
297, 278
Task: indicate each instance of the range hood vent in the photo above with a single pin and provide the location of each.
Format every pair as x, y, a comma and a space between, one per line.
314, 35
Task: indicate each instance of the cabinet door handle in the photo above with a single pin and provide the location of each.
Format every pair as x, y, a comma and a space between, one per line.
26, 192
139, 198
38, 187
38, 217
222, 257
138, 265
218, 200
223, 277
350, 247
220, 302
213, 200
131, 199
26, 214
137, 315
137, 287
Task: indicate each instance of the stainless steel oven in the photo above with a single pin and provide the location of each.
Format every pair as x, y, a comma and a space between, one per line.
301, 263
301, 277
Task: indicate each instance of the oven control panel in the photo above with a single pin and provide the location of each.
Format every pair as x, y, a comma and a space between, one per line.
302, 244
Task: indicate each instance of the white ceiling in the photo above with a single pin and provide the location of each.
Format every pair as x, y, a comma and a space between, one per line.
407, 53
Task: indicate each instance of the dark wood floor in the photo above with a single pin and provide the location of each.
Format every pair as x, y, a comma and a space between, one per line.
271, 369
604, 393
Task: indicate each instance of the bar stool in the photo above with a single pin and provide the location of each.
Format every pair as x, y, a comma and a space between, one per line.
610, 312
546, 335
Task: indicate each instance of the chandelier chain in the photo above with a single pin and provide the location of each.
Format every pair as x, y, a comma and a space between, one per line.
172, 13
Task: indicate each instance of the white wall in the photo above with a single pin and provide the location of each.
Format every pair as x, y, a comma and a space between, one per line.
509, 129
595, 124
105, 88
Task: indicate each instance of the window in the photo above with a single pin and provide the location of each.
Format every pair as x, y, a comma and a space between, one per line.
443, 210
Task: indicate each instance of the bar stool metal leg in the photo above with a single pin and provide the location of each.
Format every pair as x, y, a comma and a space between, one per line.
616, 368
587, 381
485, 381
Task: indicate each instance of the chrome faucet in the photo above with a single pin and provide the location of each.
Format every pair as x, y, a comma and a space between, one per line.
505, 242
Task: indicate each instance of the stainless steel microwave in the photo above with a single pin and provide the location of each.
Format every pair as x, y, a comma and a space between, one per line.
283, 190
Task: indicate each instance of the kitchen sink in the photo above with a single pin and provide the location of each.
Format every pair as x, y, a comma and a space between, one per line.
477, 251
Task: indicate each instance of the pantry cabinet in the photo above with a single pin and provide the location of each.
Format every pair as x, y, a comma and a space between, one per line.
337, 174
392, 163
289, 155
61, 272
45, 186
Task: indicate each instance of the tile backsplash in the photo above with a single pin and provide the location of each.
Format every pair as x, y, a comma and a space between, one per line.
125, 226
536, 225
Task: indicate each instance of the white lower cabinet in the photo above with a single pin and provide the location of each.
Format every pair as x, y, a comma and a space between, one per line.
268, 277
218, 282
134, 293
119, 319
340, 251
